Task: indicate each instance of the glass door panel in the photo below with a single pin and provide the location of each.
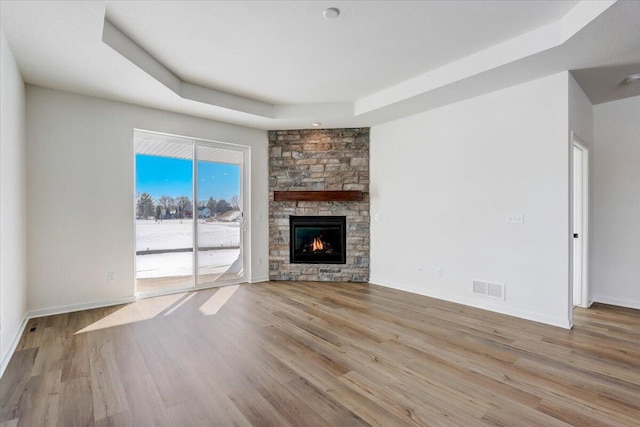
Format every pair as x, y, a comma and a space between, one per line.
219, 215
164, 214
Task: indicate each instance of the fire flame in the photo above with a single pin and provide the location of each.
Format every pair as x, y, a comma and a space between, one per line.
317, 245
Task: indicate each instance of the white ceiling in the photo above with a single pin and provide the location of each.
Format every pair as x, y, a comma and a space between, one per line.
287, 52
280, 64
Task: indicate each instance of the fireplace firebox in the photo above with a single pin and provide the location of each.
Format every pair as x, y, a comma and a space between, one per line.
318, 240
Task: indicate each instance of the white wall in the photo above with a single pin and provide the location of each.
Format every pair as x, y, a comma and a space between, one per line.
80, 194
442, 182
615, 213
13, 279
581, 122
580, 113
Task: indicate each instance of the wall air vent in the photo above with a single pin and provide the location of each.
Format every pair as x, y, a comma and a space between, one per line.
479, 288
492, 290
495, 290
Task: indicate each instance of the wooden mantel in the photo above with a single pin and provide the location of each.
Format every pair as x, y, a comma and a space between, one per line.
318, 196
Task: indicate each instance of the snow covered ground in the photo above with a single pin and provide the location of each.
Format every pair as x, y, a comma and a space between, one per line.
177, 234
181, 263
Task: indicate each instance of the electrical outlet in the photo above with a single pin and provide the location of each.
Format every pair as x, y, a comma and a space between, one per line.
440, 272
419, 269
515, 217
259, 261
110, 275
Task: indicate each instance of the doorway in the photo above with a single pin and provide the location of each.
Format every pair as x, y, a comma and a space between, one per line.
580, 205
189, 213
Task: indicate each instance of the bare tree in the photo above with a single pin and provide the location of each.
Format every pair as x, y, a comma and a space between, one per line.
222, 206
166, 202
235, 202
183, 203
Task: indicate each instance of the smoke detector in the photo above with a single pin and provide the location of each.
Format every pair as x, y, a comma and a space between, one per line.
331, 13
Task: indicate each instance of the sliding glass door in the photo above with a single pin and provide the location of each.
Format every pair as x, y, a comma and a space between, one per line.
188, 214
164, 220
219, 237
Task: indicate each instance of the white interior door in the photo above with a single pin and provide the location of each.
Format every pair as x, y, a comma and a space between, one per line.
580, 222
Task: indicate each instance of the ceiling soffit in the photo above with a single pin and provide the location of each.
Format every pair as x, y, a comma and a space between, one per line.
527, 45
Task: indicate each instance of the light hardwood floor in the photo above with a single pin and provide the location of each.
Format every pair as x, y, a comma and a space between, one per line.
321, 354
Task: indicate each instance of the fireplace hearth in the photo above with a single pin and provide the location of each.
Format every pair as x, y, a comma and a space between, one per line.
318, 240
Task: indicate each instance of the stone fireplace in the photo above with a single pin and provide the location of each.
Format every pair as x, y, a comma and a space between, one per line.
305, 240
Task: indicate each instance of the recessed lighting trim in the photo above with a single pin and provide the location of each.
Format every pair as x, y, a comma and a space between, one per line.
331, 13
633, 78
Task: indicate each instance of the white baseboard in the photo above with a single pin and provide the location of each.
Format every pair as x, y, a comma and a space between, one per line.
78, 307
510, 311
12, 347
617, 301
33, 314
259, 279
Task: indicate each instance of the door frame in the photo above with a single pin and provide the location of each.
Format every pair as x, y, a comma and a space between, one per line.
577, 145
245, 209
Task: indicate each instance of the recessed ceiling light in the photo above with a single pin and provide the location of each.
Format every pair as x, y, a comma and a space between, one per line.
316, 124
331, 13
633, 78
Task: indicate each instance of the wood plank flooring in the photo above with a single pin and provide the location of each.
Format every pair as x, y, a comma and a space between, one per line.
321, 354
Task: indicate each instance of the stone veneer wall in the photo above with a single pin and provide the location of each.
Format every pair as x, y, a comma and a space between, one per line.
319, 159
